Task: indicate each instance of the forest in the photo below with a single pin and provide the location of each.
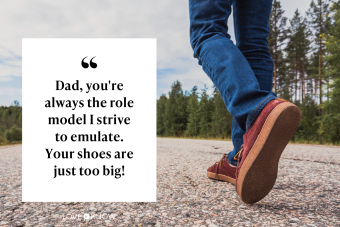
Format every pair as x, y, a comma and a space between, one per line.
306, 54
10, 124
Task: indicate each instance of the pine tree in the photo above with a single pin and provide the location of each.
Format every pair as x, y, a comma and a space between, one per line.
303, 50
313, 73
193, 119
205, 109
292, 48
221, 118
277, 38
161, 103
287, 74
175, 119
319, 19
331, 119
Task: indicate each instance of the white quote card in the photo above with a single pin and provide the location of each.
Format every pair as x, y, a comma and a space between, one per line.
89, 120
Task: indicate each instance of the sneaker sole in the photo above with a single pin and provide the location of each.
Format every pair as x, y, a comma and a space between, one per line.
221, 177
258, 173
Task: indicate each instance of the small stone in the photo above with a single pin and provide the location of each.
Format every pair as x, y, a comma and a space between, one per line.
155, 215
212, 225
2, 196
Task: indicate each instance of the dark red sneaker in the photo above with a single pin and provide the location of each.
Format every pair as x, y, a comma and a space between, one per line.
263, 144
222, 170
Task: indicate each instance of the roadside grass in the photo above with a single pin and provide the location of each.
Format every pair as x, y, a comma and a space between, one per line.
229, 139
196, 138
10, 143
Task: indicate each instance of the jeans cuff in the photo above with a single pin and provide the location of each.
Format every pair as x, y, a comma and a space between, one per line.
259, 108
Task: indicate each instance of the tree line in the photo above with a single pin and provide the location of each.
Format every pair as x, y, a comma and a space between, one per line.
306, 53
10, 124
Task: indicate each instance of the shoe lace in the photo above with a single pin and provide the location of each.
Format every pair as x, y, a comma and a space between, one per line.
219, 164
239, 156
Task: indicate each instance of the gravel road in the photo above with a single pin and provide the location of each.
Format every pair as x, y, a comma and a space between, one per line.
306, 192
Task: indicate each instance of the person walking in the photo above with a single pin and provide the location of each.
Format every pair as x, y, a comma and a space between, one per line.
243, 74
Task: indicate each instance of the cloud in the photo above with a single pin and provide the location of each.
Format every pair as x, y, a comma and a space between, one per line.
168, 21
8, 95
10, 65
10, 91
187, 79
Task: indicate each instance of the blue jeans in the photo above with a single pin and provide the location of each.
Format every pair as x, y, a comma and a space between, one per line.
243, 73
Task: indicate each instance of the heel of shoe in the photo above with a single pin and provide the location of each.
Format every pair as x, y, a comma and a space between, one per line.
259, 171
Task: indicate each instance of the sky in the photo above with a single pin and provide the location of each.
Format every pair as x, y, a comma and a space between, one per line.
166, 20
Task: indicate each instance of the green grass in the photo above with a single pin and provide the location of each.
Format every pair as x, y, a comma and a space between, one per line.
10, 143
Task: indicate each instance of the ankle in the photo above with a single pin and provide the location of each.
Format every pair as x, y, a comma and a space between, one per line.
231, 159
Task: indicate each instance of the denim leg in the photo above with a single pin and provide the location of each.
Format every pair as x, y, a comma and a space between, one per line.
223, 62
251, 32
251, 23
251, 26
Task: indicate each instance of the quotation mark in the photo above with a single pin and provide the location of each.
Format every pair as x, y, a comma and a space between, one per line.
86, 65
